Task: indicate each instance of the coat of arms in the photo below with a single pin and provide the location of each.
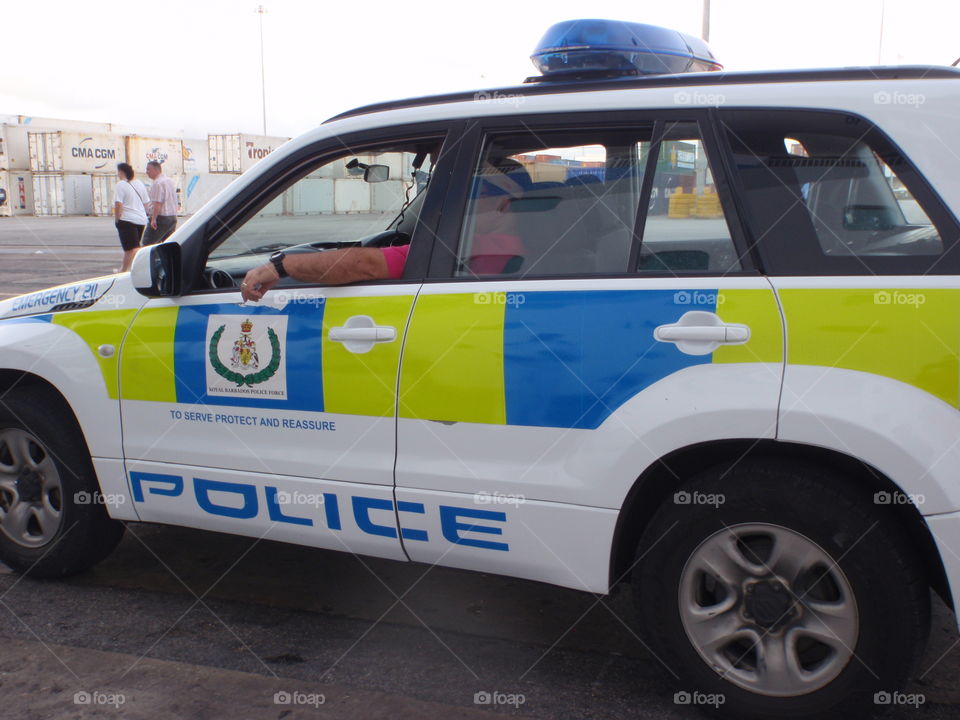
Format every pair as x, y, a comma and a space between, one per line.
244, 358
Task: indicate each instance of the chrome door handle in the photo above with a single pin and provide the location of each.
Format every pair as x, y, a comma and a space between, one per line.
700, 333
359, 334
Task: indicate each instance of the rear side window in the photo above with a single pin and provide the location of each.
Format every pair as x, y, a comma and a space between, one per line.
827, 193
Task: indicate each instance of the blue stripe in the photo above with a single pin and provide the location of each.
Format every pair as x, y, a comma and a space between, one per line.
572, 358
302, 356
28, 318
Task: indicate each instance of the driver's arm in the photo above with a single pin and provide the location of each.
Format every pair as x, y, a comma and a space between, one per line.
332, 267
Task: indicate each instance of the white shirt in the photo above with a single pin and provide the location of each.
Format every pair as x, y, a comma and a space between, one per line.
133, 196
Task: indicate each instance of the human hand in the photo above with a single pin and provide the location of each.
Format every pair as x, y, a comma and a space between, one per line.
153, 223
258, 281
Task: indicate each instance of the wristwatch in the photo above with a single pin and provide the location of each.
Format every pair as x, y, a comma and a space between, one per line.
277, 260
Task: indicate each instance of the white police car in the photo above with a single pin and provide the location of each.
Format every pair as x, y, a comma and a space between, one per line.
693, 330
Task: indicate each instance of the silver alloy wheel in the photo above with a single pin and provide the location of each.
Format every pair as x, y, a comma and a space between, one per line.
31, 502
768, 609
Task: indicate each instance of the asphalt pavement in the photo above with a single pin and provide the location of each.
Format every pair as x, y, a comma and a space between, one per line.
181, 623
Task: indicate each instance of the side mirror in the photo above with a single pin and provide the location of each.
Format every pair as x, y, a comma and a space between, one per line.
376, 173
156, 270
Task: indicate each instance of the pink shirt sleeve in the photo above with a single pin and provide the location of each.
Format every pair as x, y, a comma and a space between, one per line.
396, 257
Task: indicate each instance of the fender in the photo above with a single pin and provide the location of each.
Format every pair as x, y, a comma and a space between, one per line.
62, 349
904, 432
698, 404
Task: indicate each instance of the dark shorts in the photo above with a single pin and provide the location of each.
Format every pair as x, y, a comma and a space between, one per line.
129, 234
166, 224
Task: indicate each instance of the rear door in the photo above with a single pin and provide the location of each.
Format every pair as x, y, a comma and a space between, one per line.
592, 305
865, 259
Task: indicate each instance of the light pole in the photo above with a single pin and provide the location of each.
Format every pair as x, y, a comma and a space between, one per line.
261, 11
706, 21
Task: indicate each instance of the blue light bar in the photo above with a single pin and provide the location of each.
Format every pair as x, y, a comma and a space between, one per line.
615, 48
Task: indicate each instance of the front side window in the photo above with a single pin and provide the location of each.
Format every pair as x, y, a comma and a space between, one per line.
370, 198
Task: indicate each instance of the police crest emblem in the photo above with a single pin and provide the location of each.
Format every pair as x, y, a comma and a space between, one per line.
252, 364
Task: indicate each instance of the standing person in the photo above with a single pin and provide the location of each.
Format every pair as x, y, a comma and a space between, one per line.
163, 205
129, 212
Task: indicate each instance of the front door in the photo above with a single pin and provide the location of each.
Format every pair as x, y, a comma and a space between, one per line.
277, 417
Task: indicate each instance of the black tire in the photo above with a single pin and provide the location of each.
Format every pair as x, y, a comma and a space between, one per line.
864, 540
84, 533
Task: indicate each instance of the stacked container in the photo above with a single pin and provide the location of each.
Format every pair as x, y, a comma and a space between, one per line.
16, 180
67, 165
166, 151
238, 153
199, 184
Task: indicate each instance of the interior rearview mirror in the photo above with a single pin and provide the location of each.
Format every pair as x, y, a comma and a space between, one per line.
376, 173
156, 270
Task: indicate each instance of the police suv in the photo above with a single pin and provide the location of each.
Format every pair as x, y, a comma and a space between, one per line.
658, 324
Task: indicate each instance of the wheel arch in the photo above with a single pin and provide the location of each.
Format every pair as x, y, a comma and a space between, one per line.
661, 478
10, 379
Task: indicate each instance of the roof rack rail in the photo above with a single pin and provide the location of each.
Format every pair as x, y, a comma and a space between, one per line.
900, 72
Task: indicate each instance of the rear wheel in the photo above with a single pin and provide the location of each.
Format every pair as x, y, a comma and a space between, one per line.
53, 520
777, 590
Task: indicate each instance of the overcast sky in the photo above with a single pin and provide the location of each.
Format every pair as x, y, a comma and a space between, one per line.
195, 65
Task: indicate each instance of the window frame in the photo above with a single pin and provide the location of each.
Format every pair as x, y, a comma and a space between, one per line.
779, 251
246, 203
444, 259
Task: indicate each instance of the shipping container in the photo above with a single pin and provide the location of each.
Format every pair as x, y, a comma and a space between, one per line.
14, 148
195, 157
237, 153
103, 187
312, 196
48, 193
200, 188
351, 195
166, 151
83, 126
77, 194
74, 152
16, 193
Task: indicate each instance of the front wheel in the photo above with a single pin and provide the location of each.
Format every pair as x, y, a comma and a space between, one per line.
775, 590
52, 517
